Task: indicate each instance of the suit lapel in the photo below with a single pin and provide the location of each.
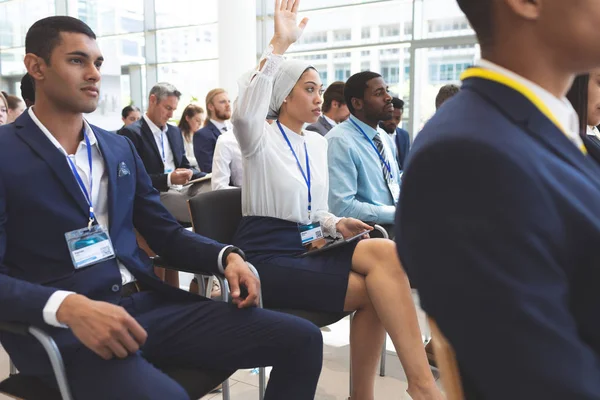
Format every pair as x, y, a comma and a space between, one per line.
171, 135
146, 131
325, 123
111, 166
29, 132
526, 115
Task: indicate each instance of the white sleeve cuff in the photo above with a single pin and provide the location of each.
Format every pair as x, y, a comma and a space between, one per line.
169, 179
52, 306
220, 260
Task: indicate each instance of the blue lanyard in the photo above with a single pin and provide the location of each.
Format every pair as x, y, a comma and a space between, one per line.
80, 181
383, 160
305, 176
162, 144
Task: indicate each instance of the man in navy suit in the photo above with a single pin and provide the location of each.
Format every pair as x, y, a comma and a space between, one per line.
218, 108
498, 223
400, 137
160, 146
61, 178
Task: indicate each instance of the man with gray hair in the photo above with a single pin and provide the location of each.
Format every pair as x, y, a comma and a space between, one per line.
160, 146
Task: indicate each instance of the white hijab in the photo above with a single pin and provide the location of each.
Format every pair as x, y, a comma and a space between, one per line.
285, 80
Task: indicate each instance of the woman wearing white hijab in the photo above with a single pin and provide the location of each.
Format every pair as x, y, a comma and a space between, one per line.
285, 192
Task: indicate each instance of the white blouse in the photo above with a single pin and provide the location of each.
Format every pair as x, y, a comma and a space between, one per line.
273, 185
189, 151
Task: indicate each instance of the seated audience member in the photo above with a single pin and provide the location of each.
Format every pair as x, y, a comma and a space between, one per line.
445, 92
28, 90
227, 168
285, 192
160, 147
3, 109
364, 178
218, 108
16, 106
335, 110
498, 216
191, 120
130, 115
112, 317
399, 136
584, 95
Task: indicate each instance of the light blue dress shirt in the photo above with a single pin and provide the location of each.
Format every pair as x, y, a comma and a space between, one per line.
357, 187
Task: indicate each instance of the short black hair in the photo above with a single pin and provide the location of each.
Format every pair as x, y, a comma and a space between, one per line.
445, 93
128, 110
398, 103
480, 16
578, 96
356, 86
44, 35
334, 92
28, 89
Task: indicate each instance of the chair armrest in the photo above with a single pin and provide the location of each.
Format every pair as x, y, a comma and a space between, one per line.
381, 230
49, 345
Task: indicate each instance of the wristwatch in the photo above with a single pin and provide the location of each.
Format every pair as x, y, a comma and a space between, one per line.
228, 251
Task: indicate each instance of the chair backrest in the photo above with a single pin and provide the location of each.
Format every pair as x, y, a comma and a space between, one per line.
217, 214
446, 360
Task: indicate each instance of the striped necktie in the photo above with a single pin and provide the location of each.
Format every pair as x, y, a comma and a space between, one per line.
380, 149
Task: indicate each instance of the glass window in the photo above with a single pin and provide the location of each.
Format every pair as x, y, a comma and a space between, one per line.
365, 66
17, 16
323, 75
12, 61
109, 17
314, 37
389, 31
342, 35
443, 18
186, 44
365, 32
173, 13
342, 72
390, 71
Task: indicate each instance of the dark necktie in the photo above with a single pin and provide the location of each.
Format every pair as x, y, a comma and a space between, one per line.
224, 129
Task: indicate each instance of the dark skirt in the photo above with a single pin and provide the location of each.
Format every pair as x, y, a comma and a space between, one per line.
316, 283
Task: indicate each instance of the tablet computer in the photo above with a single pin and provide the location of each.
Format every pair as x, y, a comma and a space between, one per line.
332, 244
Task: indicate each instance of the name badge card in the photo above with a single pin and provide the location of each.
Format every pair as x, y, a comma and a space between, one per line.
310, 233
89, 246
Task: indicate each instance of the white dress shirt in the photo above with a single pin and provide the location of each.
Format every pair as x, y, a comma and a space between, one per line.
331, 122
162, 141
227, 165
273, 184
99, 198
560, 108
592, 131
221, 125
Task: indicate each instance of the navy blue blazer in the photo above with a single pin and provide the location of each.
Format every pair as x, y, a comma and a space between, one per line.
402, 145
40, 201
142, 138
205, 140
498, 226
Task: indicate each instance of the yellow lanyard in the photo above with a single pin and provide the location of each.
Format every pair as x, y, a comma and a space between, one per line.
519, 87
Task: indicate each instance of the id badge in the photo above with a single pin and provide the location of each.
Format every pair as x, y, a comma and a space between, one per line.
395, 191
168, 170
310, 233
89, 246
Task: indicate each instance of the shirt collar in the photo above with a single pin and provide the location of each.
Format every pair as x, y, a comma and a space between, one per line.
87, 127
560, 108
331, 122
153, 128
221, 125
369, 131
592, 131
292, 136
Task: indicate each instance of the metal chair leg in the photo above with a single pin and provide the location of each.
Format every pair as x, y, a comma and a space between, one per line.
350, 358
226, 392
262, 383
383, 354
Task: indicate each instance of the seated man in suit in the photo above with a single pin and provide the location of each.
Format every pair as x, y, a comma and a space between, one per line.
364, 178
334, 109
399, 136
218, 108
160, 146
109, 315
498, 220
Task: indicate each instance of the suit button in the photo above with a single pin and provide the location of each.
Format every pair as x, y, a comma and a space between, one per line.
116, 288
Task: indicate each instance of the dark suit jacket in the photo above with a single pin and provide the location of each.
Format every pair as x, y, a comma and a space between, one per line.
143, 140
321, 126
402, 145
205, 140
592, 144
498, 226
40, 201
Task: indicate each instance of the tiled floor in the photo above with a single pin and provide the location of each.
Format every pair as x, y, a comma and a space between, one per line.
333, 384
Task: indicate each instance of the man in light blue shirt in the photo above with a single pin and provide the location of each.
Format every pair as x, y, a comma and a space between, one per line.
364, 179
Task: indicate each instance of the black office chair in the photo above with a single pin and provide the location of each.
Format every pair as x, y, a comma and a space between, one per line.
217, 215
196, 382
